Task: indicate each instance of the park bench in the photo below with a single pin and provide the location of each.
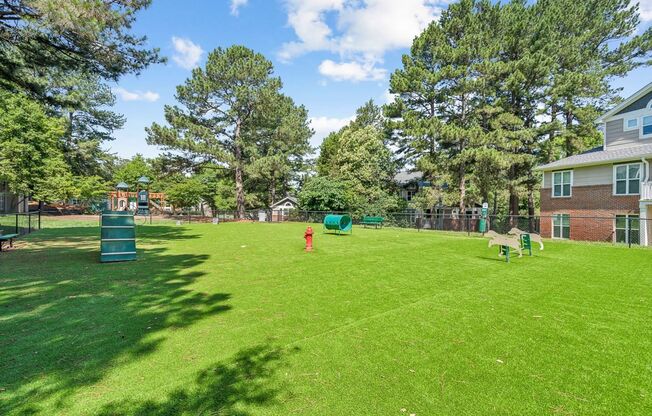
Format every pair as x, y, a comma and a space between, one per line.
7, 237
375, 221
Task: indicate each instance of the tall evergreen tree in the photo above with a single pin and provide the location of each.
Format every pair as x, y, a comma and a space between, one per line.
44, 40
440, 93
281, 146
222, 114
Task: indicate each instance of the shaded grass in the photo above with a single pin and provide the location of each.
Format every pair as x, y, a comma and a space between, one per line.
235, 319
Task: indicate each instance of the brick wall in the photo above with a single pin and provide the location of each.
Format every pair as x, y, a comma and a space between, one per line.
591, 210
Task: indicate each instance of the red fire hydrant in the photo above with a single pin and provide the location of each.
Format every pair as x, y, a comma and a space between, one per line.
308, 236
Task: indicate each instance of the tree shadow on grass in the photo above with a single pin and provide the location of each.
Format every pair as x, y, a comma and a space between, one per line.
229, 388
65, 319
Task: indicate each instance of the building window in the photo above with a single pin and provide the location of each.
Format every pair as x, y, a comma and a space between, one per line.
561, 226
409, 195
625, 231
647, 126
627, 179
631, 124
561, 183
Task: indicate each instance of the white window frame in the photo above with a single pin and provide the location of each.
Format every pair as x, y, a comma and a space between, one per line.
627, 217
552, 179
626, 124
561, 227
627, 180
645, 136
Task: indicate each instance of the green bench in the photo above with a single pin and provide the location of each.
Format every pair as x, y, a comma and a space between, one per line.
7, 237
375, 221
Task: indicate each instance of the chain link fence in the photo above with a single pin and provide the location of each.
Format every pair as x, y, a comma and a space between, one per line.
20, 223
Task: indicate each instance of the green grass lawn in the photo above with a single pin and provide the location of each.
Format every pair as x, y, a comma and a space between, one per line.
236, 319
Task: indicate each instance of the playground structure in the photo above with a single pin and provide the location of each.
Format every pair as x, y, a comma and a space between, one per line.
338, 223
142, 201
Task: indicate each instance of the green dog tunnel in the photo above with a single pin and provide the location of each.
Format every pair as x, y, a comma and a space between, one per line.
338, 223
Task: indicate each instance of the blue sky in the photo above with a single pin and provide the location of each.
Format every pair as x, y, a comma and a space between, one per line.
332, 55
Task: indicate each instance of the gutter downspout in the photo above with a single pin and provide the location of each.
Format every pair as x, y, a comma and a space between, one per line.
643, 206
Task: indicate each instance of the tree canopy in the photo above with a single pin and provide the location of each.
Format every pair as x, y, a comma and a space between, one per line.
232, 113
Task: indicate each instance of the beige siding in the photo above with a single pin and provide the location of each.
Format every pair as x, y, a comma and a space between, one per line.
547, 180
593, 175
615, 136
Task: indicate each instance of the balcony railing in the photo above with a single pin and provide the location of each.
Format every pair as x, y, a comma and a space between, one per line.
646, 191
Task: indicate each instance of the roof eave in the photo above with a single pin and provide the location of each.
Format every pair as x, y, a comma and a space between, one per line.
546, 168
638, 94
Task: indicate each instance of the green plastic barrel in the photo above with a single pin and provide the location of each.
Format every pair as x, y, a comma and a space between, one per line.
338, 223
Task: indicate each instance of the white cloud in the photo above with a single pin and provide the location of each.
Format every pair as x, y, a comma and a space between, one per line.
236, 4
645, 8
358, 31
323, 126
351, 71
187, 53
127, 95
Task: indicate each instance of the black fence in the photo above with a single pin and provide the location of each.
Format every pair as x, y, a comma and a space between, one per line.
20, 223
626, 229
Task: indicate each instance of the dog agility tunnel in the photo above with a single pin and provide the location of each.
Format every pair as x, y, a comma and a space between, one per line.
338, 223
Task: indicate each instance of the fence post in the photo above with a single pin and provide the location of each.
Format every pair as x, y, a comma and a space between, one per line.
629, 232
39, 219
17, 224
29, 222
468, 225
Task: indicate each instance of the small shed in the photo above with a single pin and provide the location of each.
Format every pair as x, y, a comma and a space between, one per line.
281, 209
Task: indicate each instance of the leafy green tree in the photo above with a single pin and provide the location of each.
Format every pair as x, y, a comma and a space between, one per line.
368, 115
31, 161
90, 189
365, 164
131, 170
324, 194
327, 151
219, 112
42, 41
186, 194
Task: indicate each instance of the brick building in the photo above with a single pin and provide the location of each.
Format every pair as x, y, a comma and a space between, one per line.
605, 194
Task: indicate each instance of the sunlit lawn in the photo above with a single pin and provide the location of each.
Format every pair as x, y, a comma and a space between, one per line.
235, 319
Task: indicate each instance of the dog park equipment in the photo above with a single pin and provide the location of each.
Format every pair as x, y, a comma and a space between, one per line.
375, 221
338, 223
532, 237
505, 243
308, 236
118, 238
7, 237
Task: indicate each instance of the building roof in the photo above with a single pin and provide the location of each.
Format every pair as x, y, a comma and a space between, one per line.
597, 156
639, 94
291, 199
405, 177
